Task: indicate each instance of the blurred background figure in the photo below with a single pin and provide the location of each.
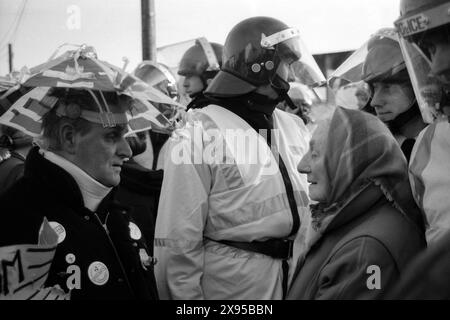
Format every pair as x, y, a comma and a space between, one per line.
142, 175
362, 97
302, 99
14, 144
375, 77
199, 65
352, 95
160, 77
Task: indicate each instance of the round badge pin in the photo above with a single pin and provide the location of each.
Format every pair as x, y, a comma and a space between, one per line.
98, 273
70, 258
135, 232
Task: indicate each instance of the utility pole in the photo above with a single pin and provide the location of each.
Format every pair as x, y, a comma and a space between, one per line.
148, 30
10, 57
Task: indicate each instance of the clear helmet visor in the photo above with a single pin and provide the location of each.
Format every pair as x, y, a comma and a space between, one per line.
296, 65
379, 59
158, 77
429, 90
304, 100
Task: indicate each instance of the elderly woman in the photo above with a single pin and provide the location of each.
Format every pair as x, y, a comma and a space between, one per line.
365, 225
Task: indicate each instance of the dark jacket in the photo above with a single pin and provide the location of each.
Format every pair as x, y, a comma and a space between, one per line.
369, 231
199, 101
428, 276
139, 189
48, 190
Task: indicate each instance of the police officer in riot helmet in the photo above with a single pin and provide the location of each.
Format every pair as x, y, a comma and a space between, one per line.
425, 29
252, 82
197, 224
392, 96
199, 65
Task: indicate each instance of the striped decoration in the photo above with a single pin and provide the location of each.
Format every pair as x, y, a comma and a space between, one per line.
81, 69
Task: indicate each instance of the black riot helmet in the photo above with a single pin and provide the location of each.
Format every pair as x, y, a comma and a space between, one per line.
259, 51
203, 59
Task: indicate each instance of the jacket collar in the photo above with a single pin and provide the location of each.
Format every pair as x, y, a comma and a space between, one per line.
139, 179
92, 191
362, 202
52, 181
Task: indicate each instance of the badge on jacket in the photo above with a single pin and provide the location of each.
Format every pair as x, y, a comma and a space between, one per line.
98, 273
58, 228
135, 232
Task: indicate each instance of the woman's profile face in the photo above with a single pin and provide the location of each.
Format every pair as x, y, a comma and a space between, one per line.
313, 164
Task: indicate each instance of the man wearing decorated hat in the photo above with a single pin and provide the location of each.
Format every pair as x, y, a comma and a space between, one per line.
69, 179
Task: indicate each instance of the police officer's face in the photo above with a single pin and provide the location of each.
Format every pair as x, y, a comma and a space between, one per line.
391, 99
101, 153
437, 45
192, 84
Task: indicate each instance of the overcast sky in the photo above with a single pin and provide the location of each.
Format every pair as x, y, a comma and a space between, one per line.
37, 28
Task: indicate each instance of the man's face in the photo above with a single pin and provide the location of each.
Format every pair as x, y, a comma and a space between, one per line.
101, 153
391, 99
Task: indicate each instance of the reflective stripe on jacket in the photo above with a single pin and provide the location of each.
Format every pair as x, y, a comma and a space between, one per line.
218, 186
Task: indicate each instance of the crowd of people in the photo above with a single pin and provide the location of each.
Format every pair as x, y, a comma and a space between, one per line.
244, 193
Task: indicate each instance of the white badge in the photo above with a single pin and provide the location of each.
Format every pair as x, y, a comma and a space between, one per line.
70, 258
58, 228
98, 273
135, 232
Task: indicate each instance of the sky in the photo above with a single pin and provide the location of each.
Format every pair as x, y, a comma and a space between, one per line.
113, 27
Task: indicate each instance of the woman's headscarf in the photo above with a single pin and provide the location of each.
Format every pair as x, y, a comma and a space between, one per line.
360, 151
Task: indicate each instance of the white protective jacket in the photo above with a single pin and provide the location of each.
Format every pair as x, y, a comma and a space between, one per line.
233, 191
430, 178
